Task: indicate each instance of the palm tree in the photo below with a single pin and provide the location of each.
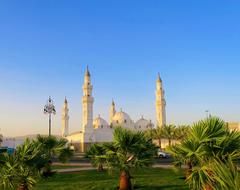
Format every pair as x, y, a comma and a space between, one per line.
50, 147
149, 133
210, 143
158, 134
18, 170
22, 169
225, 175
215, 175
169, 133
127, 151
182, 132
188, 152
200, 178
95, 153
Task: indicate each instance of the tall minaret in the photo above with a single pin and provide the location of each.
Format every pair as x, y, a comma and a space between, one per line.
87, 104
160, 103
112, 111
65, 119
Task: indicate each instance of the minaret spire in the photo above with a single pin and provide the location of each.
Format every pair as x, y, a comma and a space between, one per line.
112, 111
65, 119
159, 78
87, 73
160, 103
87, 103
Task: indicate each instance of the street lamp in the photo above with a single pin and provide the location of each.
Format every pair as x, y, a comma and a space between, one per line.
207, 113
49, 109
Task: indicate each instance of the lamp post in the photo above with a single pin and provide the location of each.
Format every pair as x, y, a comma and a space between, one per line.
207, 113
49, 109
1, 138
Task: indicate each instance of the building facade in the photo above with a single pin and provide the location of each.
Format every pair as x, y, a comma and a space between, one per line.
99, 130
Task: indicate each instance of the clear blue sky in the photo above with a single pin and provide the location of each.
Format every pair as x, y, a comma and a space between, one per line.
46, 45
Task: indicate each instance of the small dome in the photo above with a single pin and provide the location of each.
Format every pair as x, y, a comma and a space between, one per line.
142, 124
121, 118
100, 123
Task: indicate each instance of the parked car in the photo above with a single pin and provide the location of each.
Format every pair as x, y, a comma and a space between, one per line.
162, 154
7, 150
10, 150
3, 149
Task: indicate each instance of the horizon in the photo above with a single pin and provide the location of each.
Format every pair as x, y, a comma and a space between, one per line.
46, 46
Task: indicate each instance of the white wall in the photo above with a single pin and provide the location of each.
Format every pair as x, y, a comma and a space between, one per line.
103, 135
12, 142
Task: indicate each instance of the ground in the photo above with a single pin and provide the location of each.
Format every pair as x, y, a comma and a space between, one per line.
144, 179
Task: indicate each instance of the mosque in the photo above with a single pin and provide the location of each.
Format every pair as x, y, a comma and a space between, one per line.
98, 129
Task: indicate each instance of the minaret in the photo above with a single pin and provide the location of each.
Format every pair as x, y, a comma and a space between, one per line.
65, 119
87, 104
112, 111
160, 103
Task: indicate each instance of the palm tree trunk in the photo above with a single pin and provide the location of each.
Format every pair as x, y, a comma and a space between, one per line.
100, 168
189, 170
47, 170
125, 181
160, 143
169, 141
208, 187
22, 187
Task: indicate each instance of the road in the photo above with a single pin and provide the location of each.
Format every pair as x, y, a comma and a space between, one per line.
81, 163
87, 166
83, 160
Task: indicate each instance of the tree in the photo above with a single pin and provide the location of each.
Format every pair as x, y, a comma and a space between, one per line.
225, 175
149, 133
155, 134
50, 147
127, 151
169, 133
158, 134
95, 153
209, 144
189, 152
182, 132
22, 169
18, 170
215, 175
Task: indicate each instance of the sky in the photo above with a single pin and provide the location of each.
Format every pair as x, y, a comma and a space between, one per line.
45, 47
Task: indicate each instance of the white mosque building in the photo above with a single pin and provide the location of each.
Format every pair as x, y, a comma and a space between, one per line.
98, 129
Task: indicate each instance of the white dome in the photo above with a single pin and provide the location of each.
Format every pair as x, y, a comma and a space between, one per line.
142, 124
122, 118
100, 123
